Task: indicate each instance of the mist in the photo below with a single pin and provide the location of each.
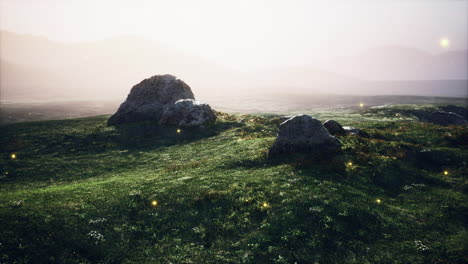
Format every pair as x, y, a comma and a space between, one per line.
88, 50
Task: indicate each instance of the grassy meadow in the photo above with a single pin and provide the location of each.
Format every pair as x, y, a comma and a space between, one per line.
78, 191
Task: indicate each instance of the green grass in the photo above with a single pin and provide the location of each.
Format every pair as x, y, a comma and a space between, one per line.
81, 192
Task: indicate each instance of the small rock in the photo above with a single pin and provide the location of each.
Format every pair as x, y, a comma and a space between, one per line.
354, 131
187, 113
334, 127
446, 118
302, 133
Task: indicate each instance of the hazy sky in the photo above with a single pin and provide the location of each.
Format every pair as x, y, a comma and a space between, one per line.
268, 32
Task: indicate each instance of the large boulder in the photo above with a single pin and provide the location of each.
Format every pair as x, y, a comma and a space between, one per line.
188, 113
304, 134
148, 99
446, 118
334, 127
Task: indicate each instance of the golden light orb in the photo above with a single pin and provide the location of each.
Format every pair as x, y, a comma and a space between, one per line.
378, 201
178, 131
361, 105
446, 173
154, 203
13, 156
350, 164
444, 42
265, 205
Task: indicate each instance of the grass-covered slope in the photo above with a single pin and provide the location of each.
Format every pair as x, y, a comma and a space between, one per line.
81, 192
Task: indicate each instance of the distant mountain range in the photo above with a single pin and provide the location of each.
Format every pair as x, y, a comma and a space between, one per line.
403, 63
33, 67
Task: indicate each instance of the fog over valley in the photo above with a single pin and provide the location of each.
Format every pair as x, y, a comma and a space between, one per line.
238, 56
35, 68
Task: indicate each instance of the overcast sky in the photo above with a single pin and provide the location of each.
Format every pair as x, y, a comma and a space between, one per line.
292, 32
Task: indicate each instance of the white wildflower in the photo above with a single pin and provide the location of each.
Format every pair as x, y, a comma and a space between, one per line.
414, 186
98, 220
316, 209
420, 246
135, 193
17, 203
98, 237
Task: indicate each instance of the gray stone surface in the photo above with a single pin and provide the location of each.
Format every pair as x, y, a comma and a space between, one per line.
334, 127
354, 131
284, 118
187, 113
446, 118
148, 99
303, 134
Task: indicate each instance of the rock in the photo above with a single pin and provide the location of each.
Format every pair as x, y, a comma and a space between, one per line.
284, 118
463, 111
334, 127
187, 113
148, 99
302, 133
354, 131
446, 118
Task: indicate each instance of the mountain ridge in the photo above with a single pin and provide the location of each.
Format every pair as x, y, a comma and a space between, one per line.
109, 67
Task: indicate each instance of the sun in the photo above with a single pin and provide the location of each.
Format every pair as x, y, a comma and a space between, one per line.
444, 43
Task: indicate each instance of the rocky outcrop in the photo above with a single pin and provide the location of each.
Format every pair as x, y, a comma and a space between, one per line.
446, 118
334, 127
187, 113
303, 134
161, 98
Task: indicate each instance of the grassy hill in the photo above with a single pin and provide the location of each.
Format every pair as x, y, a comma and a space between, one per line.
78, 191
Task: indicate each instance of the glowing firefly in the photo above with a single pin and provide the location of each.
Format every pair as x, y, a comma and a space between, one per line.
265, 205
13, 156
178, 131
361, 105
444, 42
445, 172
378, 201
154, 203
350, 164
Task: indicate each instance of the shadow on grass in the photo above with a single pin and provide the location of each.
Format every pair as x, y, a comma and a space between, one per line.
79, 151
326, 166
145, 136
141, 136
